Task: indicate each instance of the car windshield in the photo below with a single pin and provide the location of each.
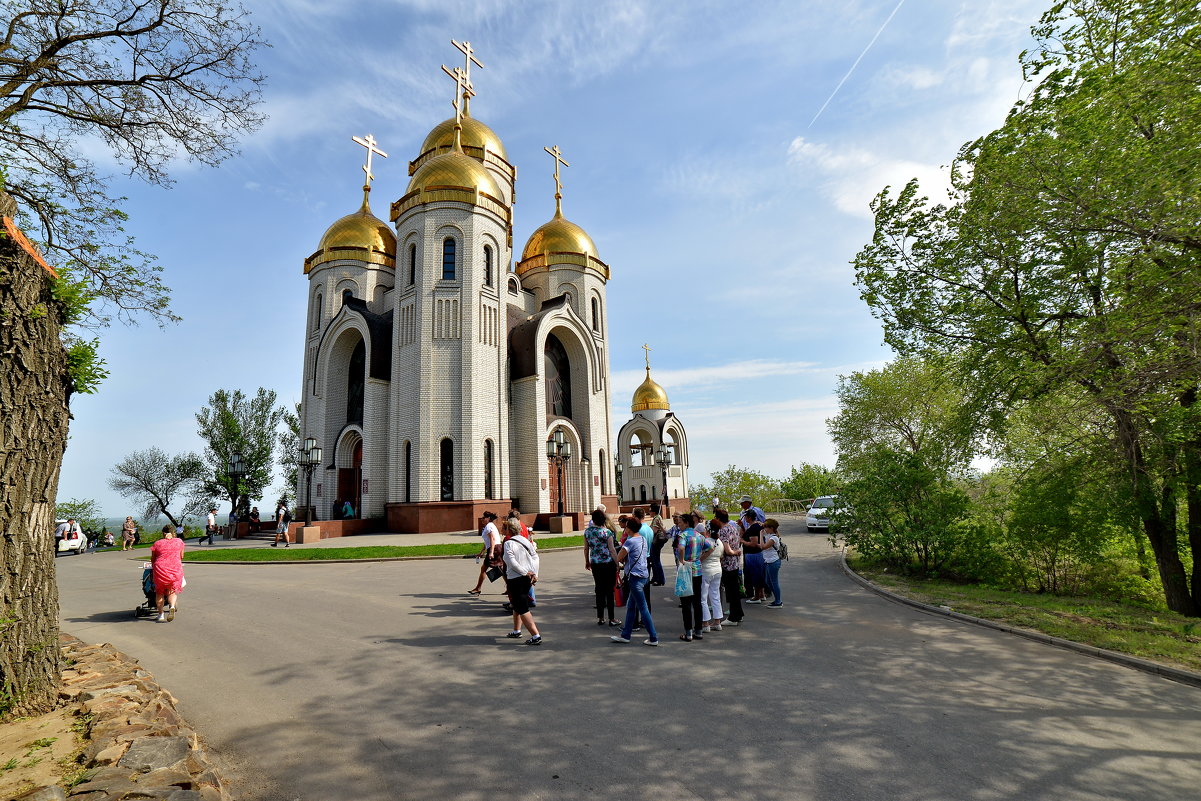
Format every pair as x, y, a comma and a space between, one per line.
823, 503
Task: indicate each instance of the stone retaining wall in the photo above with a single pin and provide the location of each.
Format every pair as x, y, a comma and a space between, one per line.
138, 745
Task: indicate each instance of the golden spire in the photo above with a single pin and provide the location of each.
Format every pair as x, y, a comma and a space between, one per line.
369, 143
468, 59
557, 155
647, 348
649, 394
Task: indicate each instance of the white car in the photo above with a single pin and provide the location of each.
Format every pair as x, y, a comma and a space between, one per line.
72, 542
820, 511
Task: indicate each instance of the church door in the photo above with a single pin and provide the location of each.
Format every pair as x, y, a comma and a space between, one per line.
557, 490
350, 481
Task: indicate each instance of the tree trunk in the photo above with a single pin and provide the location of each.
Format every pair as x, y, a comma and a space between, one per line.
34, 392
1159, 521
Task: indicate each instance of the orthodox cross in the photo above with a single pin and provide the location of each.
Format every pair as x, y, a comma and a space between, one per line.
462, 87
647, 348
557, 155
369, 143
468, 59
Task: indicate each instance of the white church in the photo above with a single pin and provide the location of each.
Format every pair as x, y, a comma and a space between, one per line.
442, 380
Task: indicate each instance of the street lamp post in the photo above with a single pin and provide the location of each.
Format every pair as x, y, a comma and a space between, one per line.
559, 452
310, 457
236, 469
663, 459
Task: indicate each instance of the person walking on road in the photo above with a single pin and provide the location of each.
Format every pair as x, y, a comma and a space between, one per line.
210, 527
633, 555
711, 612
771, 560
491, 554
521, 568
599, 558
129, 531
283, 522
166, 565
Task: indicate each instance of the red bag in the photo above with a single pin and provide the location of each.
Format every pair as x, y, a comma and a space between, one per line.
618, 597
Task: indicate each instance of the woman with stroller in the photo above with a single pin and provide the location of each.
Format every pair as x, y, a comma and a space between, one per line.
166, 564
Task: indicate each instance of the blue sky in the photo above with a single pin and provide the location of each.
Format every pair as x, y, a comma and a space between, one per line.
728, 216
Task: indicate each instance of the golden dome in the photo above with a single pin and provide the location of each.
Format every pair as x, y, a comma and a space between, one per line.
475, 134
560, 235
454, 170
361, 236
649, 395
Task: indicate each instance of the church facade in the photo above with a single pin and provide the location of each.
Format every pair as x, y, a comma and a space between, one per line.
436, 376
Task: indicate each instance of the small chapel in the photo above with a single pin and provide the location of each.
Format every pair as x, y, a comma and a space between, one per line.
443, 379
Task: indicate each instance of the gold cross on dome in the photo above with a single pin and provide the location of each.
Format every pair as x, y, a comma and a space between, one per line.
468, 57
369, 143
647, 348
462, 87
557, 155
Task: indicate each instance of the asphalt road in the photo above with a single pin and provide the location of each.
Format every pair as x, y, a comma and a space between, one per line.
385, 680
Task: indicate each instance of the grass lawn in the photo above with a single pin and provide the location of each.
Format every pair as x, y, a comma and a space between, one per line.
1151, 634
269, 554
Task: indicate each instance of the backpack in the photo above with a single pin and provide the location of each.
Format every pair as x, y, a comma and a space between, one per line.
782, 548
287, 516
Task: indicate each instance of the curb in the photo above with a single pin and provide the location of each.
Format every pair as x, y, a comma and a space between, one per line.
1125, 660
357, 561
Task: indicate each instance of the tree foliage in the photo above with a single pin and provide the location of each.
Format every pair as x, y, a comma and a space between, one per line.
233, 423
84, 511
1069, 253
154, 81
732, 483
808, 480
289, 450
159, 483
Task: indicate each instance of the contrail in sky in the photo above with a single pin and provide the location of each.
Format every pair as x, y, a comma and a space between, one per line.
856, 64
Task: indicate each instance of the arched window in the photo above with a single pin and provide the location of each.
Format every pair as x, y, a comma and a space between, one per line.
447, 469
318, 308
355, 379
408, 471
448, 259
558, 378
488, 469
603, 466
643, 492
412, 264
487, 265
347, 294
595, 315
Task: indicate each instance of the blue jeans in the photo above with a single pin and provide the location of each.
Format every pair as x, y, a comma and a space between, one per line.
773, 580
636, 605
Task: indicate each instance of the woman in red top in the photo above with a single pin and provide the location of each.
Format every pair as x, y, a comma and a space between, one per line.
166, 563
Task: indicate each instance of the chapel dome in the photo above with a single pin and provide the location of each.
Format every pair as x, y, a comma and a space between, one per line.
454, 170
649, 395
560, 235
475, 134
361, 236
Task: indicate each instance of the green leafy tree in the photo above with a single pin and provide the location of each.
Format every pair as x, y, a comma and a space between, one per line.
1069, 253
809, 481
903, 439
233, 423
289, 450
84, 511
158, 482
732, 483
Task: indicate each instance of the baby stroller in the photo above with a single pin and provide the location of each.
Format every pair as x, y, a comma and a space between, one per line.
149, 608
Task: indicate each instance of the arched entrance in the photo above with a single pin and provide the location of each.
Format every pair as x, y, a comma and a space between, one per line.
350, 472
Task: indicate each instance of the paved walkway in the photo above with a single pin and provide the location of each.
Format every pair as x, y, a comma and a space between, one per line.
385, 681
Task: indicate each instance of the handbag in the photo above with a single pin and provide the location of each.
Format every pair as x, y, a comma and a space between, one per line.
494, 572
683, 580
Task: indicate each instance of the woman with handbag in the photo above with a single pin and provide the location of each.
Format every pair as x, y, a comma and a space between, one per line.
490, 555
599, 558
690, 550
633, 554
521, 570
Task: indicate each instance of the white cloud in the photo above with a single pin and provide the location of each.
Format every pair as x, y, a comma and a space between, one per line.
913, 76
853, 176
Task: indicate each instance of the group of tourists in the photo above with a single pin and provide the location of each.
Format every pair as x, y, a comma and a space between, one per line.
739, 558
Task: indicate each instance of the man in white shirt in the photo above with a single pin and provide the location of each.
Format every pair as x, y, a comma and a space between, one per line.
210, 527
